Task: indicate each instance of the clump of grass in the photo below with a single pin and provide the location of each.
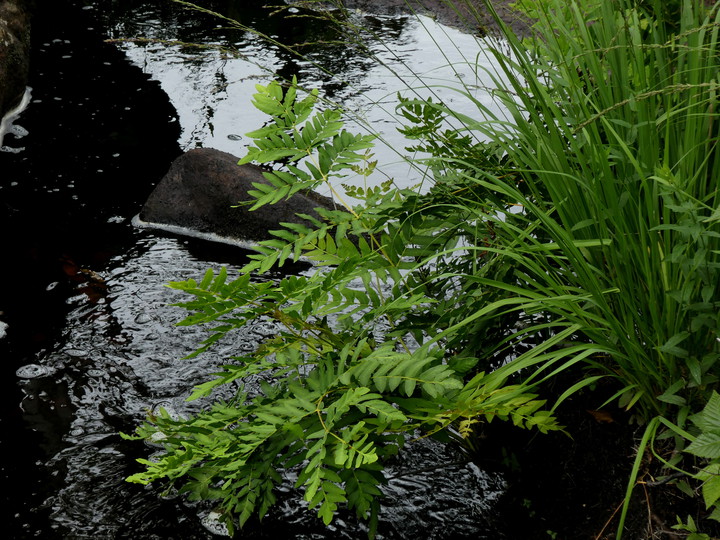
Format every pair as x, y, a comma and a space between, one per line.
614, 153
605, 209
616, 135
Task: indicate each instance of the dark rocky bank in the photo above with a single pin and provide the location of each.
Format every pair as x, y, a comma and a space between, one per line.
14, 51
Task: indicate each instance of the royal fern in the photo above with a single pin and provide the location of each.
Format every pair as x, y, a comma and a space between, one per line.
354, 379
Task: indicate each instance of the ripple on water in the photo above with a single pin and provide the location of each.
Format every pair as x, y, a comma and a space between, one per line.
264, 329
97, 373
143, 318
34, 371
167, 406
213, 524
76, 353
112, 384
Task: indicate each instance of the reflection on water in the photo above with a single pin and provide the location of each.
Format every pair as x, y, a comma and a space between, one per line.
122, 358
91, 343
212, 89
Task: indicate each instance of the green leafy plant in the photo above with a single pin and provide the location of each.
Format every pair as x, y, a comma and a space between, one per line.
353, 379
706, 445
584, 234
616, 142
611, 165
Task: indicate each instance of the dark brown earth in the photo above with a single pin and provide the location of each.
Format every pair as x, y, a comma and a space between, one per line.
571, 486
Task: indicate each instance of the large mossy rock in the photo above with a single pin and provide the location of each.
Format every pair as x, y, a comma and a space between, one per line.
14, 52
202, 189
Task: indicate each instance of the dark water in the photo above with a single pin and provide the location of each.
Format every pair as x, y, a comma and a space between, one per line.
90, 342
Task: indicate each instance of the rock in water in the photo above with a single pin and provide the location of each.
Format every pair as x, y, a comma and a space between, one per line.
202, 189
14, 52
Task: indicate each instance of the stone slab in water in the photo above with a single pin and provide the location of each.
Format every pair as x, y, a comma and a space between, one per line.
202, 189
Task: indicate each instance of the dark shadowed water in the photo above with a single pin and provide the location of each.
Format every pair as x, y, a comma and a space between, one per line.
88, 340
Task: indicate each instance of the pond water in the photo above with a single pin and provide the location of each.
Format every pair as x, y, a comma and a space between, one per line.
212, 89
88, 342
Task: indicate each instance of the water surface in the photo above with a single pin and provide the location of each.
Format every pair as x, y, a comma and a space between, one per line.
90, 343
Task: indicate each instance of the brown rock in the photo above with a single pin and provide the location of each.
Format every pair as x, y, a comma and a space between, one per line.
202, 187
14, 52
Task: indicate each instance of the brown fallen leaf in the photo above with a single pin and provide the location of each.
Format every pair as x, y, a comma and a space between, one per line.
602, 417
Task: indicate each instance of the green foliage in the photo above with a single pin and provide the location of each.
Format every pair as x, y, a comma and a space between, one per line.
629, 161
585, 233
601, 198
369, 354
707, 445
691, 528
704, 439
616, 142
313, 149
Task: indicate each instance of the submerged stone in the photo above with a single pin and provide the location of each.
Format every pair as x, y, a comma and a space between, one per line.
204, 191
34, 371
